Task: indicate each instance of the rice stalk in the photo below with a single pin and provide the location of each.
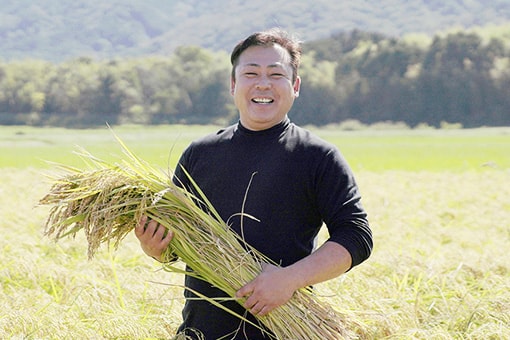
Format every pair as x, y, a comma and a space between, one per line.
106, 201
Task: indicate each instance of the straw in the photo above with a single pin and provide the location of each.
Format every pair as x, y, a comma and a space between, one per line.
107, 200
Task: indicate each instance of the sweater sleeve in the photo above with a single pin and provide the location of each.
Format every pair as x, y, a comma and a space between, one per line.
179, 177
340, 202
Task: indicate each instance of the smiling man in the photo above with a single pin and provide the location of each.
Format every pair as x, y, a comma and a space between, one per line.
264, 86
297, 183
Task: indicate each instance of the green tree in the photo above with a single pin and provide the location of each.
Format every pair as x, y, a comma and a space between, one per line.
456, 81
22, 91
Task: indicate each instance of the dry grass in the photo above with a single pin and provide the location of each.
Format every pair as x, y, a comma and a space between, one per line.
439, 269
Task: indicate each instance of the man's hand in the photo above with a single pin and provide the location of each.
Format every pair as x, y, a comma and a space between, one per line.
272, 288
153, 237
275, 285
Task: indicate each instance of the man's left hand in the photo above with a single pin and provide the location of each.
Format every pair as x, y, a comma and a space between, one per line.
272, 288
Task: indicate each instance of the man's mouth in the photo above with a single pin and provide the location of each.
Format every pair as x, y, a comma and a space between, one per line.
262, 100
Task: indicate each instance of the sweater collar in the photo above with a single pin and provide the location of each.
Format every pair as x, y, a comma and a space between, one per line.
274, 130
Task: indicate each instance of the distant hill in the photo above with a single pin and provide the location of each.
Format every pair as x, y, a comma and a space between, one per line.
65, 29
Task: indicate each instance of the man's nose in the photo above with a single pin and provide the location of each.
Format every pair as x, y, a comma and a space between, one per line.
264, 82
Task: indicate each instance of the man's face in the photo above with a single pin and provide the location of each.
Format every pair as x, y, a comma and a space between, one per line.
263, 90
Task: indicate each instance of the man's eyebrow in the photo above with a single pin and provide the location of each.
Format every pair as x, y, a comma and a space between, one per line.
257, 65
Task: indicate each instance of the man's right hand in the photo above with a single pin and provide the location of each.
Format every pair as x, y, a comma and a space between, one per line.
154, 238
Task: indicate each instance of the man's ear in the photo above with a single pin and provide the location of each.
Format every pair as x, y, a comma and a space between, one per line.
232, 85
297, 86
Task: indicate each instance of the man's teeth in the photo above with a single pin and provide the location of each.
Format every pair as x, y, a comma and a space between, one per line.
262, 100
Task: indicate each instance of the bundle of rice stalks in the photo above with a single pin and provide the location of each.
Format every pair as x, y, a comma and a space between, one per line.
106, 201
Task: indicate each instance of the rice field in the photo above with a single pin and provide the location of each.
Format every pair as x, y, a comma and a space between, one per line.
438, 202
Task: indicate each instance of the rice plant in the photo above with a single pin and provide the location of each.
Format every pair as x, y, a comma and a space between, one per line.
106, 201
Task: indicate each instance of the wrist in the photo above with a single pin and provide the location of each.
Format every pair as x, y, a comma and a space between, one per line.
295, 278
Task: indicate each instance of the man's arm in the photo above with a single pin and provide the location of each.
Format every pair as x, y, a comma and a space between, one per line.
274, 286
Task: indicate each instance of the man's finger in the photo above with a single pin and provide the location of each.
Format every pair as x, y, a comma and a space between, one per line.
140, 227
246, 290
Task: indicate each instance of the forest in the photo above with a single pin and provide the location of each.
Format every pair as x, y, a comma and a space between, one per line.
457, 77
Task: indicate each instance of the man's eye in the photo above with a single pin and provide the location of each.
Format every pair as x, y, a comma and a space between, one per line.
250, 74
277, 75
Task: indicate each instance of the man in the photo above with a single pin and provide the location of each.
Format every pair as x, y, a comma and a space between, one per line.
296, 183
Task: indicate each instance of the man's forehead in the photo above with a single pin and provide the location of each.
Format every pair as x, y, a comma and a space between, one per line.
253, 64
270, 56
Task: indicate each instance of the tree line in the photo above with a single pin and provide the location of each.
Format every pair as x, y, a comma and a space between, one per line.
461, 77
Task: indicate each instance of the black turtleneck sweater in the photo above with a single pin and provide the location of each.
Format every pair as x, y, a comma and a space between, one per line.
299, 182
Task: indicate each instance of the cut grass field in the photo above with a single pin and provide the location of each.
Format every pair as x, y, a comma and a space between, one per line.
439, 270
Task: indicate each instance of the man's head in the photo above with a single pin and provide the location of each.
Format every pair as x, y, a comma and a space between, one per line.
264, 80
269, 38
